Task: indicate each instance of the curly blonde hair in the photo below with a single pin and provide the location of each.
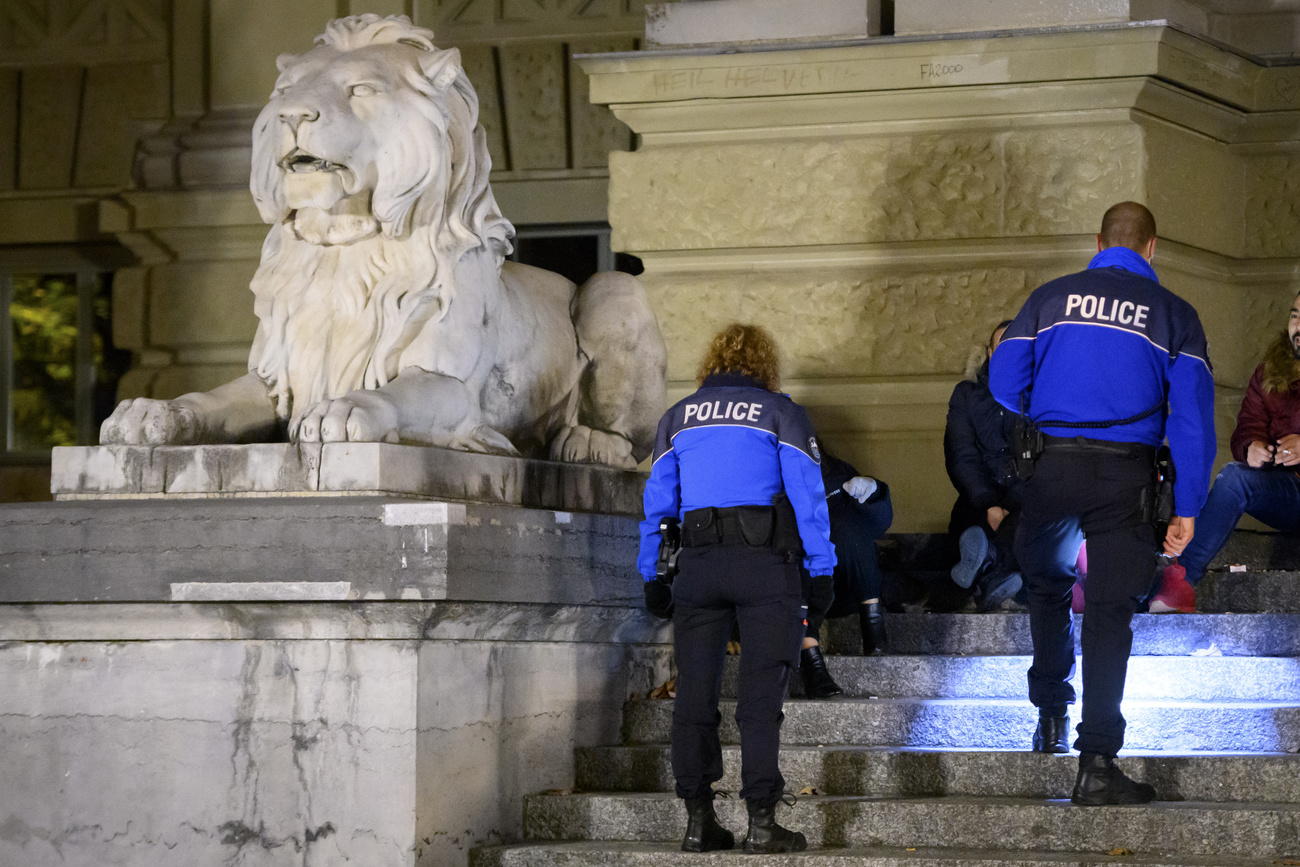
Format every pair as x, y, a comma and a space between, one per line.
748, 350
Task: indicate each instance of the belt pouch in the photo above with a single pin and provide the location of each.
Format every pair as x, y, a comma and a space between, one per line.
755, 525
700, 528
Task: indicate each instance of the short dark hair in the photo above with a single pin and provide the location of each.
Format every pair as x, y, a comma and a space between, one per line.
1005, 323
1128, 224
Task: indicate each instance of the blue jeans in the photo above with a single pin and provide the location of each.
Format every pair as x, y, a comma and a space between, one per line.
1270, 495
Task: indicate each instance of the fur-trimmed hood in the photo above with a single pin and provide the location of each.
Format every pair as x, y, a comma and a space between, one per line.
979, 356
1281, 367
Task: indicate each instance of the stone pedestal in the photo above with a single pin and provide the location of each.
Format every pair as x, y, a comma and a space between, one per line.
397, 734
881, 206
310, 680
340, 469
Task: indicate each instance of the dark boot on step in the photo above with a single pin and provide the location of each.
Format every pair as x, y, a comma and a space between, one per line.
817, 680
766, 836
872, 617
1052, 734
1102, 783
703, 833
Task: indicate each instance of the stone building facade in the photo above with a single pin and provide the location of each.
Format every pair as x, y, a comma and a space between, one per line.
879, 201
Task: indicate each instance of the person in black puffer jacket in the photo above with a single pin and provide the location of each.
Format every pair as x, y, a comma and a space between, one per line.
860, 513
977, 454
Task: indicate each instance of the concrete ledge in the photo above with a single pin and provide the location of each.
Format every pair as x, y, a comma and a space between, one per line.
261, 549
332, 621
927, 17
339, 469
727, 21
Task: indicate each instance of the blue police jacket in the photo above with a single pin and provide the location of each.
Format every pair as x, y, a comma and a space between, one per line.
1109, 343
734, 443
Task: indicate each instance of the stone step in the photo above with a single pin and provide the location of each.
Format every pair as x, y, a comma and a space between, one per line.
1188, 827
1249, 592
1180, 678
609, 854
1008, 634
891, 773
1257, 550
996, 724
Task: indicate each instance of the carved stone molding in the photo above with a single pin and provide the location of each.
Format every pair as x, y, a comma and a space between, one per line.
86, 32
461, 21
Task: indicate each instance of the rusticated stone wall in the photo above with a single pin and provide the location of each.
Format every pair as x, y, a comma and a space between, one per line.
864, 190
880, 206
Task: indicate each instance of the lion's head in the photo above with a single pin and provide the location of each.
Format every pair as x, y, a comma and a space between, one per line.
380, 127
371, 165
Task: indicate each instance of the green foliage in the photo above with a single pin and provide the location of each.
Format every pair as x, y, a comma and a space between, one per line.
43, 316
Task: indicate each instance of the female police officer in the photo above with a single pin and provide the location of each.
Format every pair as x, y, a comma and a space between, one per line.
738, 463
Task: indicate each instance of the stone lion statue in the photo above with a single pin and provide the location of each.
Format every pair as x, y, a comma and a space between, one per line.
386, 309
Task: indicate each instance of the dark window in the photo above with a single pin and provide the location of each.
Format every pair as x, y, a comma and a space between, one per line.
576, 251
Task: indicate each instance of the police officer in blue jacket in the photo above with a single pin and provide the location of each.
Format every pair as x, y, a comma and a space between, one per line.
1096, 359
737, 462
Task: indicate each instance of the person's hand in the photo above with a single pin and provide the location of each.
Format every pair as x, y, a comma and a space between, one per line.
659, 599
996, 514
1259, 454
1180, 533
860, 488
1287, 452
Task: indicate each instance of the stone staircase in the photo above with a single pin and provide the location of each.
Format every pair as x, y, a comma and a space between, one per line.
926, 763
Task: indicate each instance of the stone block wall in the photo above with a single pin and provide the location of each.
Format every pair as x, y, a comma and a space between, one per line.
385, 734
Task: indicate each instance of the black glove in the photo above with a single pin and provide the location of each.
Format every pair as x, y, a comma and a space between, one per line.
659, 599
819, 596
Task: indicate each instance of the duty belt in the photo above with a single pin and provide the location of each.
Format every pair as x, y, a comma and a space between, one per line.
750, 525
1084, 444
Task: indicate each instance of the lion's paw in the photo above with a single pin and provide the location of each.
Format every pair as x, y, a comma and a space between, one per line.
359, 417
486, 440
144, 421
583, 445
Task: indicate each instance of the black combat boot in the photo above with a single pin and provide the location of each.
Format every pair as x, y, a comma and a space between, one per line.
703, 833
872, 617
766, 836
1101, 783
1052, 734
817, 681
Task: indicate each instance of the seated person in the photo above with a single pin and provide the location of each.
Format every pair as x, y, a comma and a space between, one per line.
1264, 479
860, 513
977, 453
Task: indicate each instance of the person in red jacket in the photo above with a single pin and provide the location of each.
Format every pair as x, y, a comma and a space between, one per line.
1263, 480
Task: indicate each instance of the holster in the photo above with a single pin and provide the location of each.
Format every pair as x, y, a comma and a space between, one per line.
1158, 499
785, 534
1026, 447
670, 546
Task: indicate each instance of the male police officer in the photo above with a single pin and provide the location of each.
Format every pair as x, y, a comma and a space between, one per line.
739, 464
1094, 357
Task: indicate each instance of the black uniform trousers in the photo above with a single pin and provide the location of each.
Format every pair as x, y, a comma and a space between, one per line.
1077, 493
719, 585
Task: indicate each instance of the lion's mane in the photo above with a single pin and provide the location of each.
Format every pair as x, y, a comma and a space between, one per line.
334, 318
